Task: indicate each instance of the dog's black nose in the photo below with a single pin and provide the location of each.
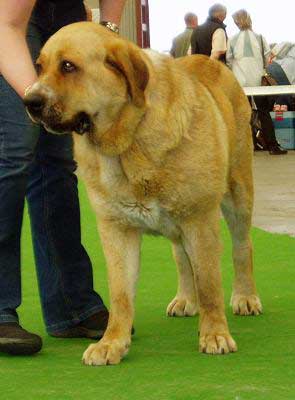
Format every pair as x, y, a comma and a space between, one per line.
34, 103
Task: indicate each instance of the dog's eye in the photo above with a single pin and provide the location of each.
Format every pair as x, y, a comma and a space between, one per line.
67, 66
111, 64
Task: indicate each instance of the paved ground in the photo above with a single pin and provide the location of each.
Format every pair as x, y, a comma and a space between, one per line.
274, 178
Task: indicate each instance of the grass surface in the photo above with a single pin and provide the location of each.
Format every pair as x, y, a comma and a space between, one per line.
163, 362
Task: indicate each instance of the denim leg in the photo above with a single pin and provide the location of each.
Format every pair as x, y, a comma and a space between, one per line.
63, 267
279, 74
18, 139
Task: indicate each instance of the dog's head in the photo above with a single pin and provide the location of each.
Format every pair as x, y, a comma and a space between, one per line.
90, 82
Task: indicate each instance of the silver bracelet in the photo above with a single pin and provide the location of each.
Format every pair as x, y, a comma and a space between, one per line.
110, 25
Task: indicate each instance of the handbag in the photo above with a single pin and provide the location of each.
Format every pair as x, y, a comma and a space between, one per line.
266, 79
257, 134
259, 141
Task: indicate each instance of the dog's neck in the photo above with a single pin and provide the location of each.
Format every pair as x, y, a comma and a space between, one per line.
119, 136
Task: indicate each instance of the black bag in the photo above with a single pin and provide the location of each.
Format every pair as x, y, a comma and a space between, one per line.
257, 134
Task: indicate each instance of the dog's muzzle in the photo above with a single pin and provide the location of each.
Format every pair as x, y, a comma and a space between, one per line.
39, 112
35, 104
80, 123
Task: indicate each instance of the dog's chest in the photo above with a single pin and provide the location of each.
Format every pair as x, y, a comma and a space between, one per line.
149, 217
120, 201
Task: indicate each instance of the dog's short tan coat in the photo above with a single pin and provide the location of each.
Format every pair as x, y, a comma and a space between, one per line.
169, 144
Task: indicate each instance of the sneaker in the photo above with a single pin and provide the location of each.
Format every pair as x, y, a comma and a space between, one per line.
17, 341
277, 150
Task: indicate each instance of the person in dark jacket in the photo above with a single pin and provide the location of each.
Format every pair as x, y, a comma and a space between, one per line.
210, 38
40, 167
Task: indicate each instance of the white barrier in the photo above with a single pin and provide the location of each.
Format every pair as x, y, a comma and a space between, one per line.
269, 90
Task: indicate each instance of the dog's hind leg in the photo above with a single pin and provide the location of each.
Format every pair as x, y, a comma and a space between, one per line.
202, 244
185, 302
237, 209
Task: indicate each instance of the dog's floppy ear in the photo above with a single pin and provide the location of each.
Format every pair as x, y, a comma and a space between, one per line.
128, 61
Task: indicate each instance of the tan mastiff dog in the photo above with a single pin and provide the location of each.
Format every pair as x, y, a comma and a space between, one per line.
161, 144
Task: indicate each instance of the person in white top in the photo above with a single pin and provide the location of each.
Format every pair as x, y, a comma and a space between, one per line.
283, 54
247, 55
282, 68
247, 52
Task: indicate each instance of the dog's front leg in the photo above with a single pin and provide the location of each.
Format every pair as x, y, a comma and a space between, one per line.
202, 244
122, 251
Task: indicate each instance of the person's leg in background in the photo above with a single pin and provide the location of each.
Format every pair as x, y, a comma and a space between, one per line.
264, 104
278, 73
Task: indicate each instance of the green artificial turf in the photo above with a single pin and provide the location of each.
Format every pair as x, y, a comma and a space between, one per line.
163, 362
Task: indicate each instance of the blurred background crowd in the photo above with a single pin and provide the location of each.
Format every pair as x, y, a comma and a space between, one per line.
251, 58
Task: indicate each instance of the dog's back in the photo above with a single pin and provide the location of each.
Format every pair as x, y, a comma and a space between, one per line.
228, 94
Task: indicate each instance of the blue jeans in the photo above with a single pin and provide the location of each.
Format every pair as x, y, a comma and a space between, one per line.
279, 74
40, 166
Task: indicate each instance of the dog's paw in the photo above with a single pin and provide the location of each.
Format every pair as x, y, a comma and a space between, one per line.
217, 344
246, 305
106, 352
182, 307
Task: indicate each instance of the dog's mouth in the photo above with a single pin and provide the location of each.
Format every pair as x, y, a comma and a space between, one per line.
84, 124
81, 123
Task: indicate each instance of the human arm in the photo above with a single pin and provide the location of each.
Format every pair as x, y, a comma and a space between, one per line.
215, 55
111, 10
281, 50
266, 52
172, 51
194, 47
88, 10
219, 45
229, 55
16, 64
